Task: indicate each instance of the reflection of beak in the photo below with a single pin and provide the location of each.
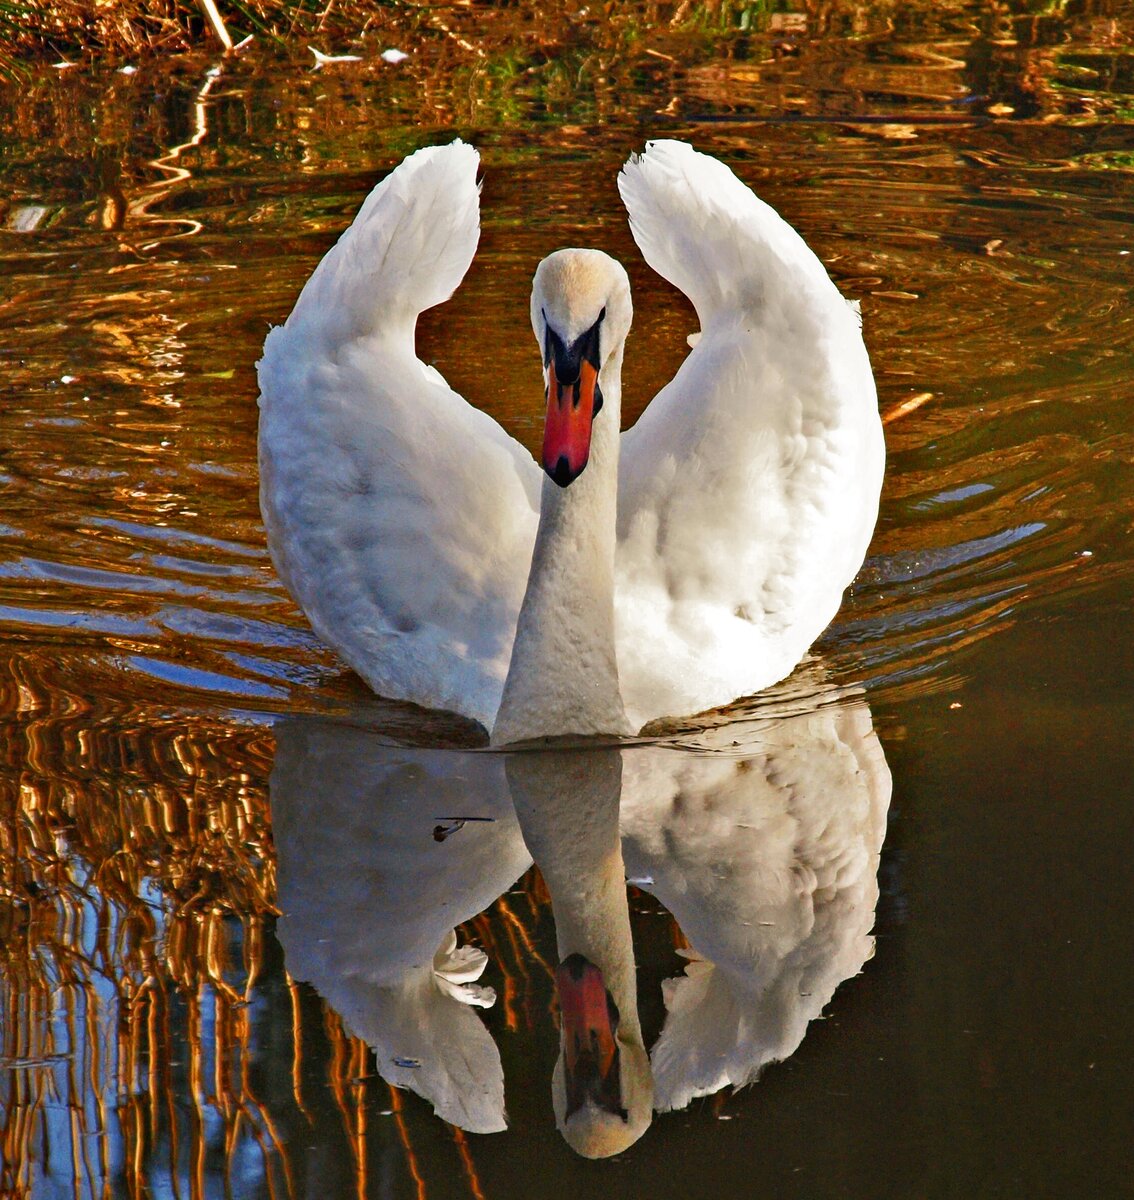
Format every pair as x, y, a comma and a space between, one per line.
567, 431
589, 1023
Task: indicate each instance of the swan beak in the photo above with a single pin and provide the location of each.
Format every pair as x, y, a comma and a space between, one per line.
567, 431
590, 1053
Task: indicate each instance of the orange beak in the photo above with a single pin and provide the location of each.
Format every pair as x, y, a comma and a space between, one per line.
589, 1021
567, 430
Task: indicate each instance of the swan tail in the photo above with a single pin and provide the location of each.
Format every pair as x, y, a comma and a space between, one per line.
407, 250
708, 234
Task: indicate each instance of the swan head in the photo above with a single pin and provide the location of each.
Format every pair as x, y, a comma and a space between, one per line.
581, 314
602, 1088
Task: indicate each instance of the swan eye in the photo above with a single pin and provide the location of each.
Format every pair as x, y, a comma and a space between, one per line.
568, 359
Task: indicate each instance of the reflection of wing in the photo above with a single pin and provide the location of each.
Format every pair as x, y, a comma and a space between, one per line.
401, 518
766, 853
370, 899
748, 489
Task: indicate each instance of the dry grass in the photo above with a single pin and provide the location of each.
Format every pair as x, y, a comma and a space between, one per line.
52, 29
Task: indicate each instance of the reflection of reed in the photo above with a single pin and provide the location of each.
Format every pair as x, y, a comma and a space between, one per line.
175, 173
92, 1046
138, 995
114, 1001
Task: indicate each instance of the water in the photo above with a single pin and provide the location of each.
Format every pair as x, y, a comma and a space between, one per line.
967, 177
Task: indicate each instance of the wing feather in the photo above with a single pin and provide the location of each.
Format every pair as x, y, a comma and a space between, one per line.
749, 487
400, 517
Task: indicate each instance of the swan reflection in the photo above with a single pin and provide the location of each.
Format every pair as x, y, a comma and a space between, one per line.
764, 845
761, 838
371, 899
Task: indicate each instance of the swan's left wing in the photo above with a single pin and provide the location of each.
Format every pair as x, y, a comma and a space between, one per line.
400, 517
748, 489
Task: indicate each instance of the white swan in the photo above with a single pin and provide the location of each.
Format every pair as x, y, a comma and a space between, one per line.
692, 561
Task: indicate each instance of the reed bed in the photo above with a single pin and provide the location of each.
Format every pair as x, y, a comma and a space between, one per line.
75, 30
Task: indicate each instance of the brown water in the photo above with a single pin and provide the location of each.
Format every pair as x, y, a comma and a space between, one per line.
967, 172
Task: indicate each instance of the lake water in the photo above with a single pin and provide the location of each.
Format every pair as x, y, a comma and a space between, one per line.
224, 865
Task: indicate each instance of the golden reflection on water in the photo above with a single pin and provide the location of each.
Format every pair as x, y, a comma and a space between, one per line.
137, 875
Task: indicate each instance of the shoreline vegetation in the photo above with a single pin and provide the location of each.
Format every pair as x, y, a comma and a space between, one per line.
39, 31
62, 33
32, 30
1049, 60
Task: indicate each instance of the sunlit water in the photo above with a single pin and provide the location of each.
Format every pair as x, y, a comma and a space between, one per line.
163, 1031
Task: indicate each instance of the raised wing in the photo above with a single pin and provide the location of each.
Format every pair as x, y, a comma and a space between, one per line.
748, 490
400, 518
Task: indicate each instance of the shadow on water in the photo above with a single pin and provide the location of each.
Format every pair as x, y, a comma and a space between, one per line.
964, 172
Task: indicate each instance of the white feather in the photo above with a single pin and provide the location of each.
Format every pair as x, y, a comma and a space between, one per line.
400, 517
748, 490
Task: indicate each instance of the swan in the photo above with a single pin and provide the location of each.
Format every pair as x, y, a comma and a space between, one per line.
658, 573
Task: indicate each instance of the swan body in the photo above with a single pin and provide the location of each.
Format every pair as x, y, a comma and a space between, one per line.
686, 562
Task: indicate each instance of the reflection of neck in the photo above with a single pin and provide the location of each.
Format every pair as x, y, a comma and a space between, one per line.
567, 803
563, 676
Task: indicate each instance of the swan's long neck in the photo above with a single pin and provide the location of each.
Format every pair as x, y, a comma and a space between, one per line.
563, 676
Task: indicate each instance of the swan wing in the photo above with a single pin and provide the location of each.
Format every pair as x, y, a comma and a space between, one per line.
400, 517
748, 489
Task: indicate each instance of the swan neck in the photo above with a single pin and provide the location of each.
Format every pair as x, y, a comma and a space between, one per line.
563, 674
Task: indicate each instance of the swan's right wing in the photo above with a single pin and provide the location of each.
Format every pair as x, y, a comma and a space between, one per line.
748, 489
400, 518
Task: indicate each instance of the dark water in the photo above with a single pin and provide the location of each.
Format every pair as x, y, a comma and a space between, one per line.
963, 170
